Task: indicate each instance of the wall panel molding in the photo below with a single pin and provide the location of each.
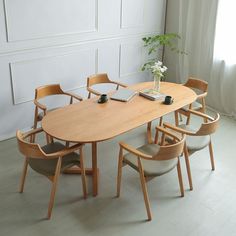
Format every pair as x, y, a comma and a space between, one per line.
70, 70
14, 29
131, 58
131, 14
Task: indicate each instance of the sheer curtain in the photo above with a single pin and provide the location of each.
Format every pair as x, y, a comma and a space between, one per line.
223, 79
206, 30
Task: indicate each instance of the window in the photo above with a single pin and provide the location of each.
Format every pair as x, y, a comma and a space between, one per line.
225, 40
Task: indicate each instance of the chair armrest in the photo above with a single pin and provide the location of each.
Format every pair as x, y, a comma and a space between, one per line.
203, 115
178, 129
167, 132
39, 105
118, 83
74, 96
202, 95
134, 151
64, 151
32, 132
93, 91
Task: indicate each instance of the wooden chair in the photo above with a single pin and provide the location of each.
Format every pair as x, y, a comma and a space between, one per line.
152, 160
99, 79
198, 139
200, 87
49, 160
44, 91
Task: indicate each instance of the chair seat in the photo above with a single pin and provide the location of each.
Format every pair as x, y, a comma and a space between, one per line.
150, 167
41, 114
195, 106
48, 167
195, 143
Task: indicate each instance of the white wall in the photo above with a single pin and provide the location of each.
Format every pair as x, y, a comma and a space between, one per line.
172, 26
64, 41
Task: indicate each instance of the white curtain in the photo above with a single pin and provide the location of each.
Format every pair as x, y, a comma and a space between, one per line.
223, 77
197, 28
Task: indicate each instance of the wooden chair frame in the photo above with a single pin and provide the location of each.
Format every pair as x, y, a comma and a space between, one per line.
99, 79
33, 150
166, 152
44, 91
207, 128
195, 84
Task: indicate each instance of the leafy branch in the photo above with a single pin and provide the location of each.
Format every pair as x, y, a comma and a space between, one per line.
155, 42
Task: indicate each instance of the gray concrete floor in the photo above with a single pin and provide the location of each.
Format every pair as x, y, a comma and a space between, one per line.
209, 209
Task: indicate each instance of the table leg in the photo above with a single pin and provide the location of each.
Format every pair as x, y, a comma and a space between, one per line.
88, 171
95, 169
77, 170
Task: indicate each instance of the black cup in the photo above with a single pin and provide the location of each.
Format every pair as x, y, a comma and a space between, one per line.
168, 100
103, 98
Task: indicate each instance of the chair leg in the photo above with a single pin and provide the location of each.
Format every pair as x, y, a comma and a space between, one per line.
22, 183
48, 138
144, 188
189, 115
149, 132
119, 174
176, 118
204, 108
186, 156
53, 189
161, 121
180, 178
32, 138
211, 156
188, 120
83, 176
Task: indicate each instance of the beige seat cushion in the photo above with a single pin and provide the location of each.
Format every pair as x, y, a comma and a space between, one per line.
195, 143
150, 167
41, 114
48, 167
195, 106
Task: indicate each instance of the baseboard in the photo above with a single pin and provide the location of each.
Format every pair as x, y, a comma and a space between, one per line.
12, 134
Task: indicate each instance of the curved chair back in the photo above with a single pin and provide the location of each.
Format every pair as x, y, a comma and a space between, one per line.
97, 79
171, 151
31, 150
209, 127
197, 84
46, 90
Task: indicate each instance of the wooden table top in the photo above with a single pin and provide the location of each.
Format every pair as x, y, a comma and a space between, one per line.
89, 121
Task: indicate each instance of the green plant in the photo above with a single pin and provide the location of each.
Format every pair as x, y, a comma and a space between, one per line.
154, 43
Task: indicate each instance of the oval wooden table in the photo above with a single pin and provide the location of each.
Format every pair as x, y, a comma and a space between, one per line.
91, 122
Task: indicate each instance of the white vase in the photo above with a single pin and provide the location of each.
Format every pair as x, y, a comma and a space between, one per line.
157, 83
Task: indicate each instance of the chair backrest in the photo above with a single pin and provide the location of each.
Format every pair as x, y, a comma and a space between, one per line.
209, 127
31, 150
170, 151
197, 84
97, 79
46, 90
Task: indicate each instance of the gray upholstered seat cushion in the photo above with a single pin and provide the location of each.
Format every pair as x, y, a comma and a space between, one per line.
41, 114
48, 167
195, 106
195, 143
150, 167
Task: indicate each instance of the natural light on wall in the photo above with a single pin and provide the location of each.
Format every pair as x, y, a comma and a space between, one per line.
225, 40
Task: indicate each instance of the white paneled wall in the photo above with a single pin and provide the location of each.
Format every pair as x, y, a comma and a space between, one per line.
64, 41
